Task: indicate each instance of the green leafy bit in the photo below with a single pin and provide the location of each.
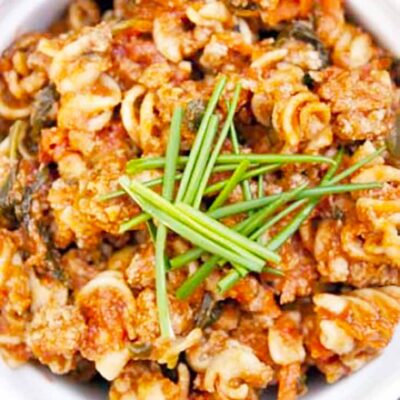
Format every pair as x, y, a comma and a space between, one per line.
210, 311
194, 113
141, 164
43, 111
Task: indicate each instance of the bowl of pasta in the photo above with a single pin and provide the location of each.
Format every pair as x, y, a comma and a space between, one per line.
198, 200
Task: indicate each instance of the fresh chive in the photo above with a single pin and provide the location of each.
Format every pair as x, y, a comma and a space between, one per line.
224, 232
201, 161
293, 226
245, 206
196, 148
247, 226
151, 227
143, 164
276, 218
335, 189
159, 181
333, 168
233, 276
173, 147
186, 258
140, 164
236, 149
196, 279
273, 158
224, 236
217, 148
260, 186
161, 283
278, 240
228, 281
111, 195
169, 215
265, 213
128, 225
347, 172
174, 143
194, 254
230, 185
216, 187
242, 227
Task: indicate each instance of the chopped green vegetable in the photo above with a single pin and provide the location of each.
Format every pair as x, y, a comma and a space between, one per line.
42, 115
302, 30
210, 311
194, 113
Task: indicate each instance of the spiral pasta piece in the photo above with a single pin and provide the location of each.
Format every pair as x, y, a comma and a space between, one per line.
56, 345
140, 120
285, 340
352, 48
108, 308
15, 300
303, 118
83, 13
129, 113
145, 381
12, 110
175, 42
354, 326
237, 363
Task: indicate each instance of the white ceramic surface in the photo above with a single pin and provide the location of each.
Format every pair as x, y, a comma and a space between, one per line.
380, 380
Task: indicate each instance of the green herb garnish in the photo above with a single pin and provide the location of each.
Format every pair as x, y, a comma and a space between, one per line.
230, 185
196, 148
240, 246
161, 235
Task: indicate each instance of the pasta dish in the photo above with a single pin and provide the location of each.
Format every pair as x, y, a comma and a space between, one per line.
199, 199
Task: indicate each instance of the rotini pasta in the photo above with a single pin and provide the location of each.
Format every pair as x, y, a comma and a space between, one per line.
354, 326
107, 305
303, 118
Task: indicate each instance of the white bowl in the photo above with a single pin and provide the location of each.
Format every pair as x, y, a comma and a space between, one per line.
379, 380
